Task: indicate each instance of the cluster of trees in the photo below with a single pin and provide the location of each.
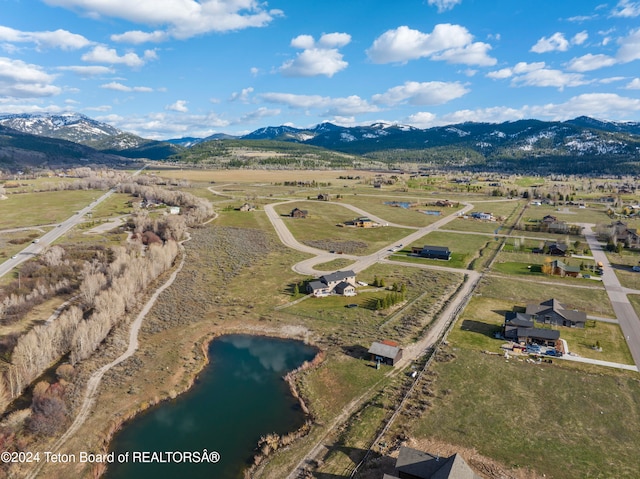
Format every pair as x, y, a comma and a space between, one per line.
39, 280
397, 295
197, 209
107, 293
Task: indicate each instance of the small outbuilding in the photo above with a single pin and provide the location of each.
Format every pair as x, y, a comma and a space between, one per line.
385, 352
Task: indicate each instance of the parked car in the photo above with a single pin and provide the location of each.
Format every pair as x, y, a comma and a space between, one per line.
352, 305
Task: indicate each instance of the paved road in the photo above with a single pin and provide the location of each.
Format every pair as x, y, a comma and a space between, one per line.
627, 317
48, 238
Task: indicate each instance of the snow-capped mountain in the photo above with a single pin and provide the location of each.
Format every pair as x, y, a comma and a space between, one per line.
86, 131
65, 126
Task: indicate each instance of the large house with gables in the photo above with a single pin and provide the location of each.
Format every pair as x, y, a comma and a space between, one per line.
340, 282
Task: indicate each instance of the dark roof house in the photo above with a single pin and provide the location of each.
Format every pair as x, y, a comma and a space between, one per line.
414, 464
557, 249
298, 213
553, 312
520, 328
433, 252
385, 352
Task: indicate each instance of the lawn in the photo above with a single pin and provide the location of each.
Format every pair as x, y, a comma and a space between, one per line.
553, 419
320, 228
484, 316
519, 291
407, 217
570, 214
30, 209
464, 248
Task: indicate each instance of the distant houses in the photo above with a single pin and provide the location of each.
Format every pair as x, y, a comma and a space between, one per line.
385, 352
432, 252
341, 282
324, 197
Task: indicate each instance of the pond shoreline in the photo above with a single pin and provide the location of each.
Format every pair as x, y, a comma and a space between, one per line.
203, 347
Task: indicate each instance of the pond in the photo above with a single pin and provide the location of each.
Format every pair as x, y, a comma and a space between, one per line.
238, 397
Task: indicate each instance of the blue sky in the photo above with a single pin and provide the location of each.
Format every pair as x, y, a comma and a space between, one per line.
173, 68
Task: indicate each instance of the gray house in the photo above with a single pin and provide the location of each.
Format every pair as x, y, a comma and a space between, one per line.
553, 312
414, 464
520, 328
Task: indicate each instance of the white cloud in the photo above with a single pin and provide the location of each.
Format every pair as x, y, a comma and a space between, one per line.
452, 43
99, 108
179, 106
351, 105
625, 8
556, 42
426, 93
321, 58
258, 114
422, 119
546, 77
88, 71
303, 41
124, 88
242, 96
444, 5
600, 105
519, 69
334, 40
629, 47
166, 124
537, 74
590, 62
102, 54
254, 71
137, 37
182, 18
23, 80
633, 84
579, 38
62, 39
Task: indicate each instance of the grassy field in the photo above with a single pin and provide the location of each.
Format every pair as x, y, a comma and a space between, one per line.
115, 205
31, 209
593, 301
408, 217
622, 263
321, 225
570, 214
464, 248
336, 264
558, 421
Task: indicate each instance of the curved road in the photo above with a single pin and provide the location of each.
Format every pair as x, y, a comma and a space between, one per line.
361, 262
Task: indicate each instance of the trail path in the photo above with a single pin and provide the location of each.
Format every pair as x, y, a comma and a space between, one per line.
94, 381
